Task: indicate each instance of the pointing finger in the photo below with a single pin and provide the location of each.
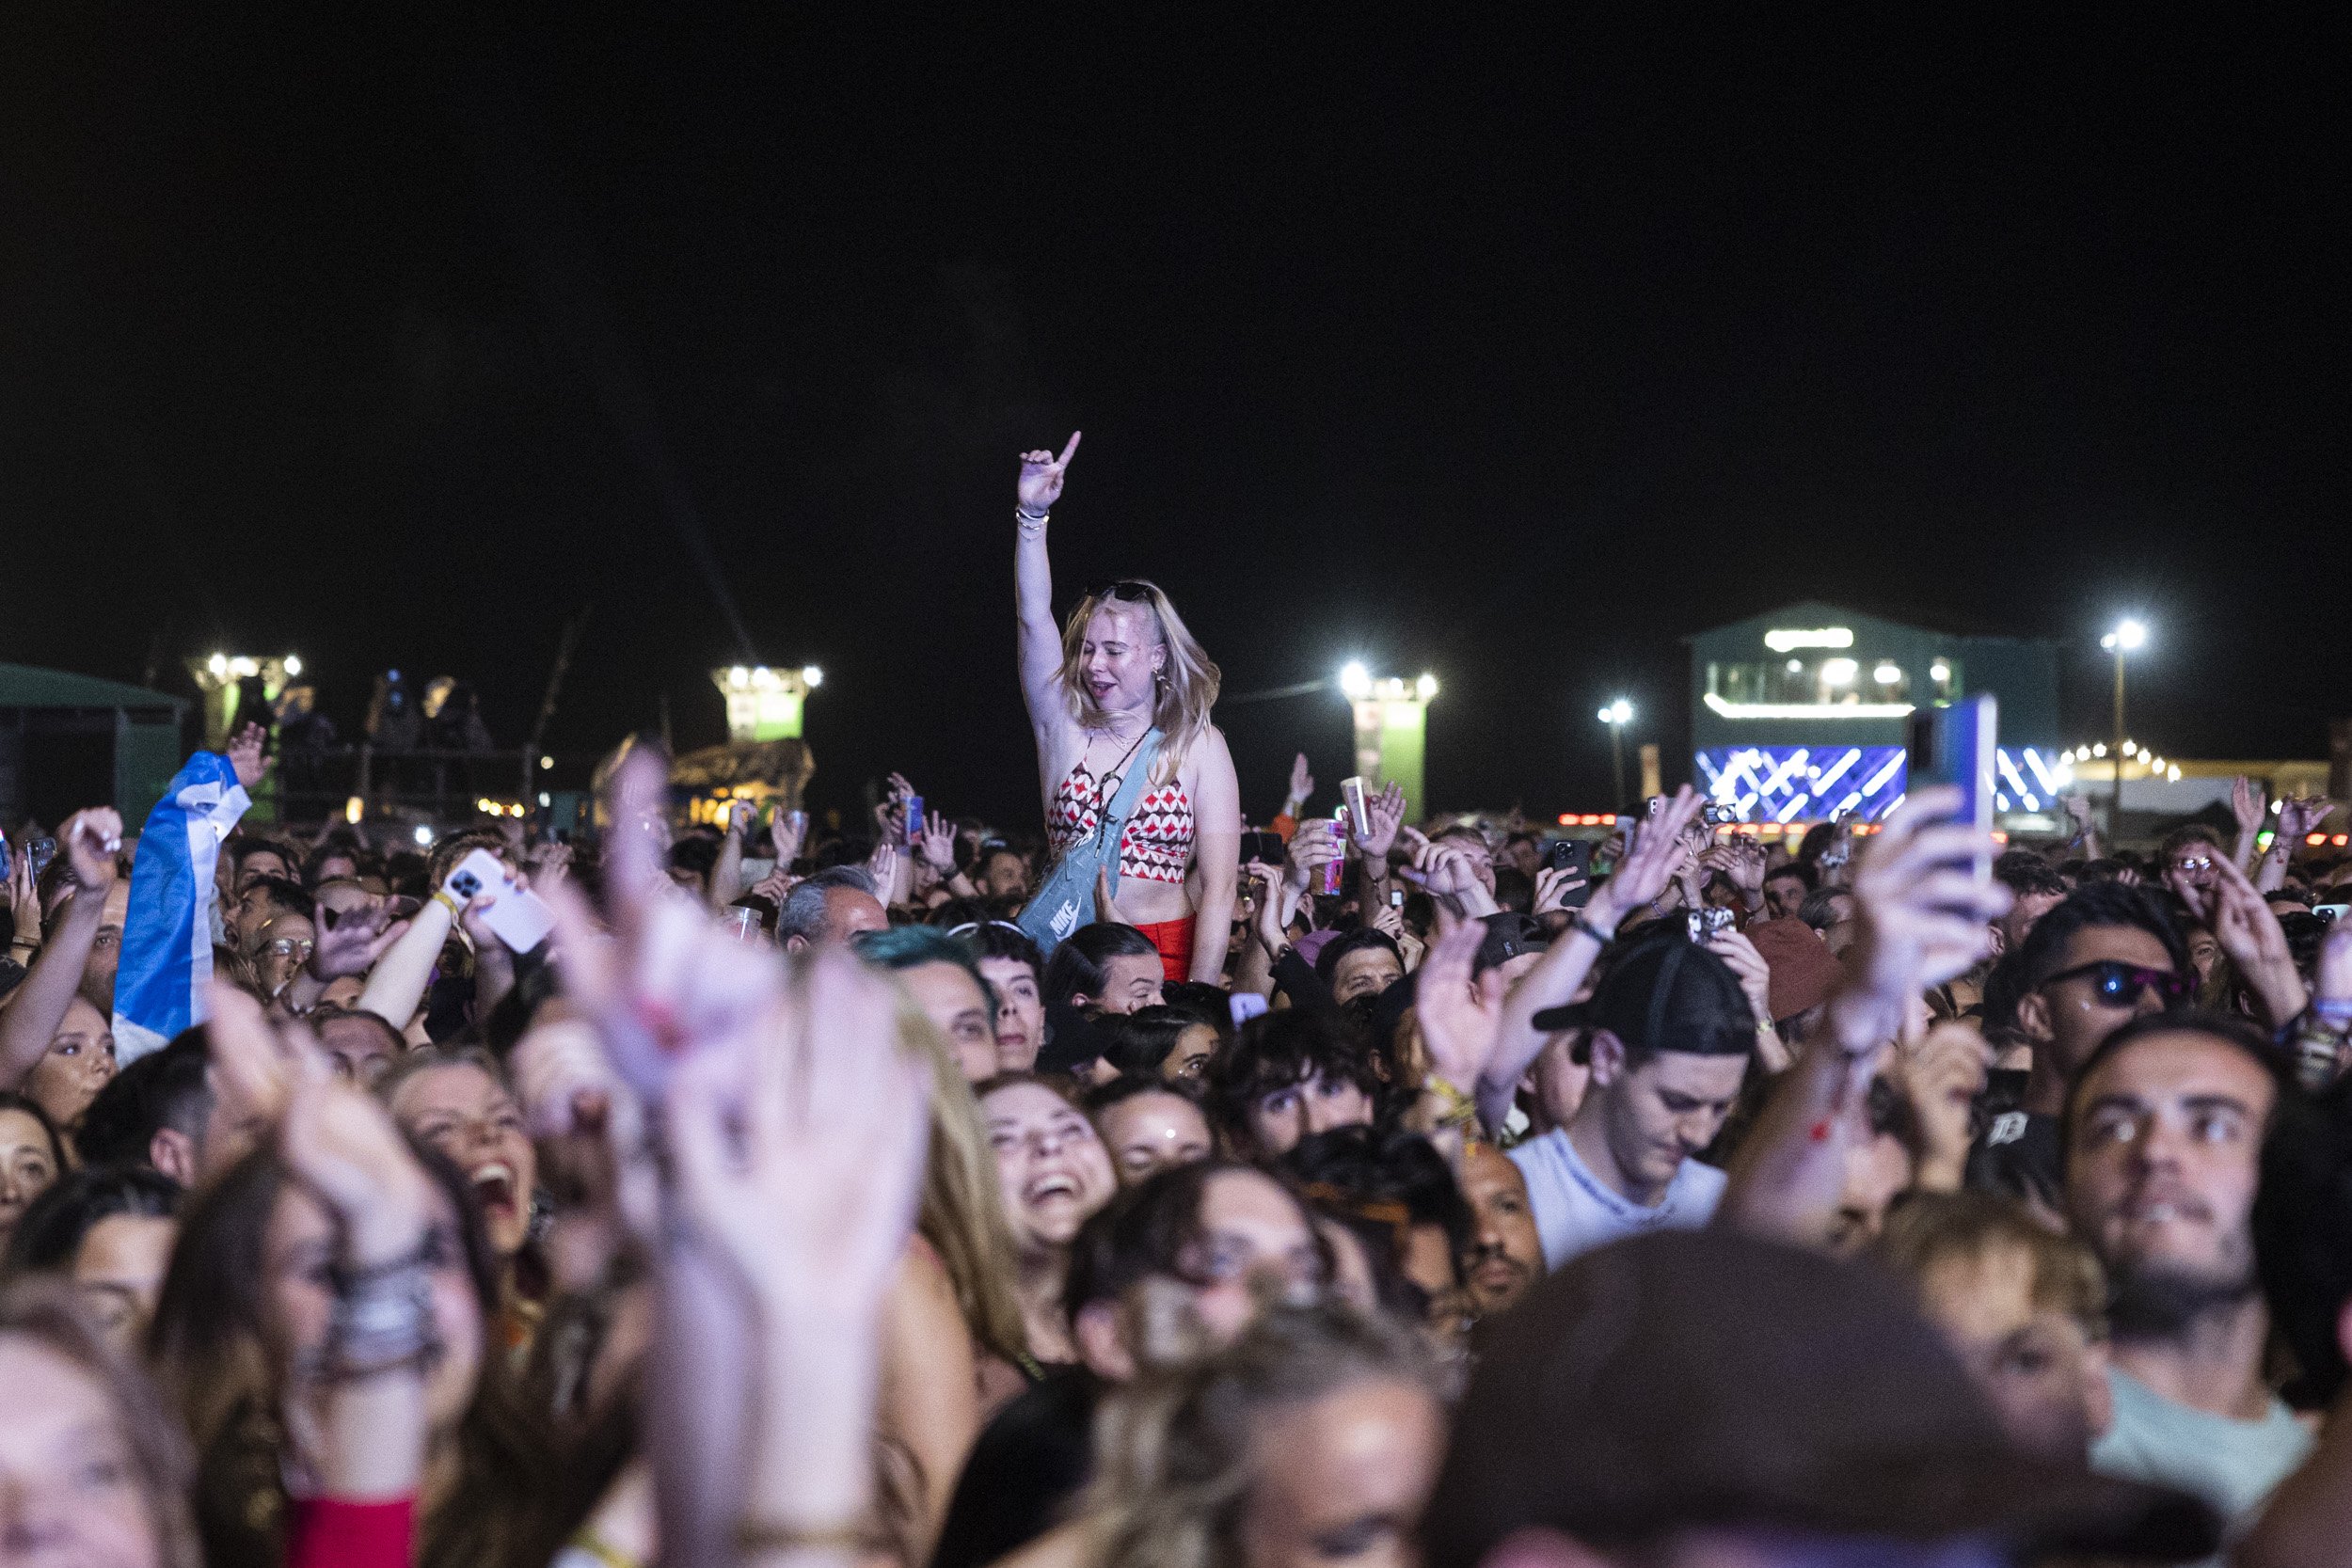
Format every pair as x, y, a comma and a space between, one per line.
1070, 450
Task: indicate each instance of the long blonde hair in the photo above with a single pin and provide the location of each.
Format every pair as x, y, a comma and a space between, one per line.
1187, 681
1175, 1456
962, 1215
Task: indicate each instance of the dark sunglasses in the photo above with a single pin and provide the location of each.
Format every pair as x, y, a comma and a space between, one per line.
1126, 590
2119, 985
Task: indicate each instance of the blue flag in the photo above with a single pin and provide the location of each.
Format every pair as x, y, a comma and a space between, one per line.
167, 934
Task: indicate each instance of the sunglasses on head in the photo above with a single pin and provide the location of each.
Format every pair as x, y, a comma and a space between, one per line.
1126, 590
2119, 984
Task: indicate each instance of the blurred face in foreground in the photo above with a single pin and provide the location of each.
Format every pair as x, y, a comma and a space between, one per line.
69, 1488
1343, 1478
2045, 1376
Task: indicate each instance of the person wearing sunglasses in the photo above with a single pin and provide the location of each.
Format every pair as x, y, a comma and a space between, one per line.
2186, 859
1097, 687
2107, 954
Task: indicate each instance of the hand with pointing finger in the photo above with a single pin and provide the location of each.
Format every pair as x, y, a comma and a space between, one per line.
1041, 476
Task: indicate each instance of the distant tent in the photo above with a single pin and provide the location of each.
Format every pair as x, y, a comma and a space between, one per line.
69, 742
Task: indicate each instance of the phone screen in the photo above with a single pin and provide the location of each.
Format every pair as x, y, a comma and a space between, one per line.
1954, 745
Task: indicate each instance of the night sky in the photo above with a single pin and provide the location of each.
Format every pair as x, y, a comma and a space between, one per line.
1517, 353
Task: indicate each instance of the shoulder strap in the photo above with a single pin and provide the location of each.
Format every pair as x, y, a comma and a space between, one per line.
1122, 804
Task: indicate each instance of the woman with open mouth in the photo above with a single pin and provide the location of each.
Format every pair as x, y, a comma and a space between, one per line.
455, 1099
1053, 1172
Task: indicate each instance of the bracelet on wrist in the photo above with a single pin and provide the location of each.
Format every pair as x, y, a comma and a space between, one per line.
856, 1536
1578, 923
381, 1321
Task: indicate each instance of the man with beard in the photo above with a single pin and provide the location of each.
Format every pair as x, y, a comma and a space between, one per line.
2164, 1132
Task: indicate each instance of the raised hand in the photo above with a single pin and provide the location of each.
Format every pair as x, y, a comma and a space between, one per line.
244, 752
1302, 782
1312, 847
353, 945
1920, 914
1941, 1074
784, 837
799, 1141
2300, 815
1654, 852
91, 839
2242, 922
667, 982
1387, 811
1268, 923
1748, 965
1041, 476
938, 849
740, 816
2249, 803
341, 1144
549, 862
1552, 886
1743, 861
1458, 1033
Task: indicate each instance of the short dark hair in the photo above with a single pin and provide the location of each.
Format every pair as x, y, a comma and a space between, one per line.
2093, 904
1137, 1043
12, 1100
1278, 1050
1001, 939
285, 895
1328, 961
2226, 1028
1147, 1229
1797, 869
2302, 1228
52, 1229
1396, 1167
170, 1087
1077, 968
2026, 873
2184, 835
1818, 908
245, 845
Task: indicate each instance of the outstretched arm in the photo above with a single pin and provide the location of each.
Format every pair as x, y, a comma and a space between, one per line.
1033, 587
37, 1009
1655, 853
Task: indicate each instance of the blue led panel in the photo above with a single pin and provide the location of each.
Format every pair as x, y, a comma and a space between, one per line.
1810, 783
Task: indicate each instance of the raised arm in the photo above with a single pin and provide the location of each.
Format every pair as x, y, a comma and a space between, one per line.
1650, 862
36, 1008
1921, 917
1033, 587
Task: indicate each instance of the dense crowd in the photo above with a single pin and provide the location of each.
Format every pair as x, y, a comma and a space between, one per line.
1146, 1189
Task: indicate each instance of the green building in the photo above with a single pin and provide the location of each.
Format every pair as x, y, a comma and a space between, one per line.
67, 741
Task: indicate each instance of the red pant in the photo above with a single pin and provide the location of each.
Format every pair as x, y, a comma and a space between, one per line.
1174, 938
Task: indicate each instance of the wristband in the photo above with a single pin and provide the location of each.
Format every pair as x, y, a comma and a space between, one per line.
1578, 923
456, 914
854, 1536
1459, 1110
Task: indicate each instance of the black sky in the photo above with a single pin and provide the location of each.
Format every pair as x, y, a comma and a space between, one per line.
1515, 350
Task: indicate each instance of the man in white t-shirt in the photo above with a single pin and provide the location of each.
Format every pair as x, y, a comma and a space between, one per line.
1670, 1033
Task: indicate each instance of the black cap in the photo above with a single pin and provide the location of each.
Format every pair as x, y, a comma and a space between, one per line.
1509, 934
1666, 993
1690, 1380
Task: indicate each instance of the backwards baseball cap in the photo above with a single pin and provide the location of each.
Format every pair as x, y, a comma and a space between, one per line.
1509, 934
1666, 993
1693, 1380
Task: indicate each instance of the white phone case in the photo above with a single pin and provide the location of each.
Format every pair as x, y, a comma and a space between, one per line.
519, 917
